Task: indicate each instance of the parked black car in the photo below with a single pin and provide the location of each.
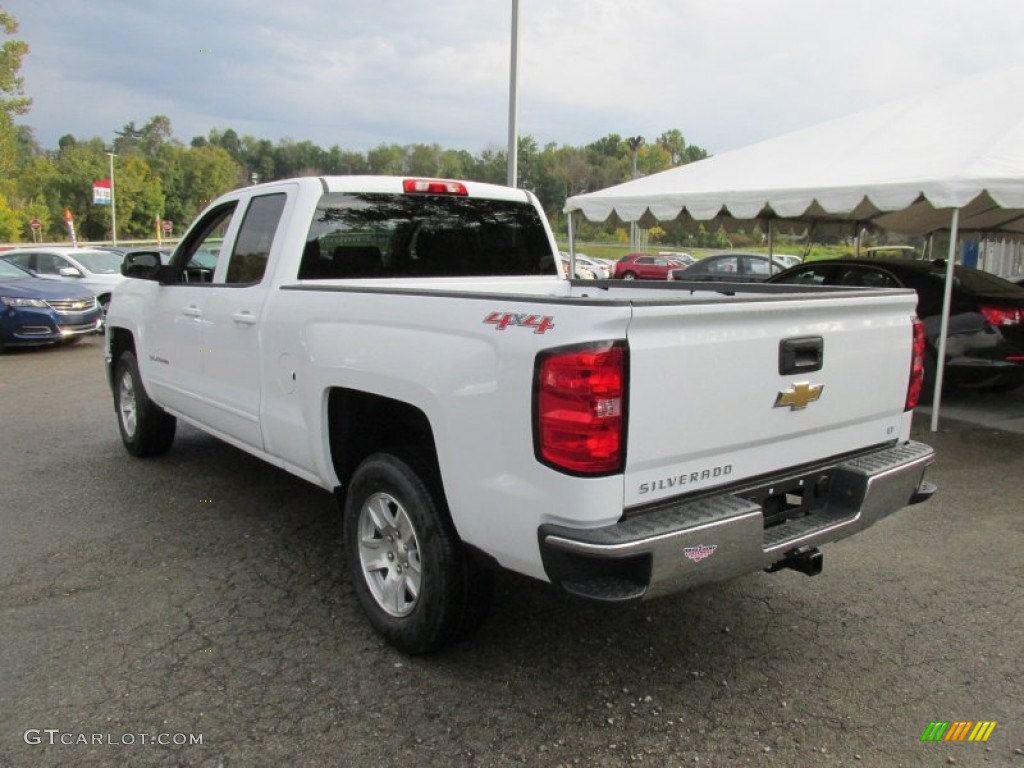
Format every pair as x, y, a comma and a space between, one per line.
730, 267
985, 342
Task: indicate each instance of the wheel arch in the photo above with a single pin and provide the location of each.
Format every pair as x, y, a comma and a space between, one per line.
362, 423
119, 340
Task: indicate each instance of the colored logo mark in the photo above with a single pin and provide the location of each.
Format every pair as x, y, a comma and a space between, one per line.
699, 552
959, 730
799, 396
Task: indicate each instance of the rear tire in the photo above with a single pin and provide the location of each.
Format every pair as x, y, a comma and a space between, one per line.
411, 574
146, 429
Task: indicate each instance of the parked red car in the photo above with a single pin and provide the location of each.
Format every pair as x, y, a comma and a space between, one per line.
645, 266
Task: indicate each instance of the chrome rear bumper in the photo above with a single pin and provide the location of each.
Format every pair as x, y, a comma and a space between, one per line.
681, 545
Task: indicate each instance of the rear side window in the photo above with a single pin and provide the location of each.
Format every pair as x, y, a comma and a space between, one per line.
23, 260
867, 278
49, 264
814, 275
724, 266
255, 237
384, 235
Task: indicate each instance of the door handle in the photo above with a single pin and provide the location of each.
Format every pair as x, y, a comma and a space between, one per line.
192, 311
244, 317
801, 355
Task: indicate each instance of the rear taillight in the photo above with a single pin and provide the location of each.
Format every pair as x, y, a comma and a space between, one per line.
434, 187
1002, 315
579, 408
916, 366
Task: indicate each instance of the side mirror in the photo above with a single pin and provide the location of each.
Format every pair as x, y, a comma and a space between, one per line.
69, 272
144, 265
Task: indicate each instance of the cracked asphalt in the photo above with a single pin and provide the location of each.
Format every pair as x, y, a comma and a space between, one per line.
204, 595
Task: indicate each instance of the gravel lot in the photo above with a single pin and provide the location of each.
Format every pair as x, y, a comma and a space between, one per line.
204, 595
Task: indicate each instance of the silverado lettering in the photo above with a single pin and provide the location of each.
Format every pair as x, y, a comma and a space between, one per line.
693, 477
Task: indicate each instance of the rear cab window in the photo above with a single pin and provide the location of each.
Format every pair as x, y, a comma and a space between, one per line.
373, 235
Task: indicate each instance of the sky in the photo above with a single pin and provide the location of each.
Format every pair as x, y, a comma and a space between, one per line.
361, 73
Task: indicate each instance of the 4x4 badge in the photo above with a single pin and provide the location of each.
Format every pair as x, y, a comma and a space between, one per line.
799, 396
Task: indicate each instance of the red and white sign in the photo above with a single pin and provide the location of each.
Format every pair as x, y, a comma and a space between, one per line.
168, 226
101, 192
35, 225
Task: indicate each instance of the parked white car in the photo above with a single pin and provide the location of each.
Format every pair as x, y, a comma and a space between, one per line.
601, 269
97, 270
588, 268
787, 259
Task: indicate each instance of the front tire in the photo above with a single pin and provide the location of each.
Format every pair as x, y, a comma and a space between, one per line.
629, 275
146, 430
410, 572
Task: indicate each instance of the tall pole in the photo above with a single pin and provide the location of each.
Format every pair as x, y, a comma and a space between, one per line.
940, 363
113, 205
513, 100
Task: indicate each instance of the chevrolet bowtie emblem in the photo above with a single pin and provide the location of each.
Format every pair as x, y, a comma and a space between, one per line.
799, 396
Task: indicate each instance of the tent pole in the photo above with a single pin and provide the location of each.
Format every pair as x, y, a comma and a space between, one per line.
572, 248
940, 368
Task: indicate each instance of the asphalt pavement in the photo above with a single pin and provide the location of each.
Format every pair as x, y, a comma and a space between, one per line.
195, 610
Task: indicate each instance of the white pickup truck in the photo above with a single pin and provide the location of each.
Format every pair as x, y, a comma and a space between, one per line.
412, 346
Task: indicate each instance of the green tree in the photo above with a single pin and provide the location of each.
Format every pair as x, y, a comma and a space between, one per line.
456, 164
345, 163
34, 210
386, 160
423, 159
36, 184
79, 166
491, 166
229, 142
127, 139
207, 173
672, 142
12, 100
257, 156
10, 223
612, 145
154, 135
695, 153
302, 158
140, 198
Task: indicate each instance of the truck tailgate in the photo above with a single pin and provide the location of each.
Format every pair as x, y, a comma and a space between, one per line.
728, 389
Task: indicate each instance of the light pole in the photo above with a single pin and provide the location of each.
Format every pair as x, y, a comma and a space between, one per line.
113, 206
513, 100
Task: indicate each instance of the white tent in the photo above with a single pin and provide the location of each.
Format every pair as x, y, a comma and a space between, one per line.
901, 166
949, 160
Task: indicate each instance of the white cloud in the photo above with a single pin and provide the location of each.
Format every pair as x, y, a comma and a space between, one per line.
358, 74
